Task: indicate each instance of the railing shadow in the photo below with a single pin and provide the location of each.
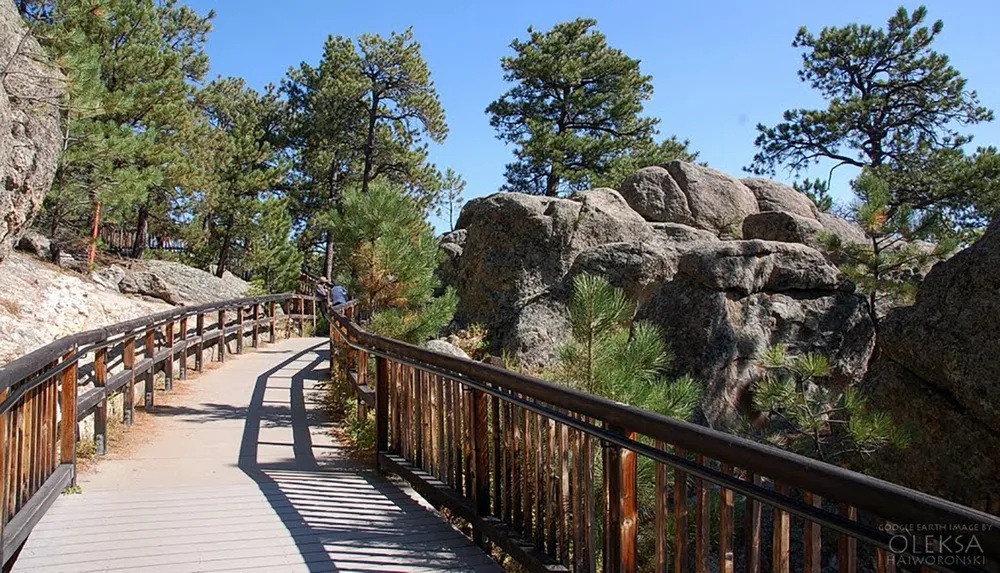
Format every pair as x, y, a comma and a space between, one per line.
338, 511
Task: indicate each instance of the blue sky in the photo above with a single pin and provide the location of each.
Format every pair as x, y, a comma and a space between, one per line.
718, 68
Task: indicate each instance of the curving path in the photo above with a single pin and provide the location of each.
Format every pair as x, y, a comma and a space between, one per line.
242, 474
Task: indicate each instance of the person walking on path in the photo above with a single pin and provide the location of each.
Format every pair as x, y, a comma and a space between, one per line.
323, 294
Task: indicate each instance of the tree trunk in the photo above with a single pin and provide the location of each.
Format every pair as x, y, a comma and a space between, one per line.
328, 263
370, 145
552, 183
141, 233
220, 269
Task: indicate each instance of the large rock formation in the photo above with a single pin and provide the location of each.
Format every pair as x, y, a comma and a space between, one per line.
774, 196
177, 284
30, 138
939, 370
732, 300
721, 302
691, 195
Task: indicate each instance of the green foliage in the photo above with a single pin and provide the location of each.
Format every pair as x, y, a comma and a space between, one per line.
804, 416
392, 254
574, 110
272, 257
894, 105
818, 192
449, 200
611, 356
886, 266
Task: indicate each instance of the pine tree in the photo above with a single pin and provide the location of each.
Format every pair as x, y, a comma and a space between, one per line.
574, 111
272, 258
392, 254
799, 414
884, 266
239, 168
896, 106
449, 201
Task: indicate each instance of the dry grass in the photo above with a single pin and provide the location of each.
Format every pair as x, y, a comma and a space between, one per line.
10, 307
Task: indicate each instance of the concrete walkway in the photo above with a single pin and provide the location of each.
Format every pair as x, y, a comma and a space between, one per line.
245, 476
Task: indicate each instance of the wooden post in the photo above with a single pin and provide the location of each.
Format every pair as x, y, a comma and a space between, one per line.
813, 539
222, 336
726, 558
273, 313
662, 509
300, 313
381, 406
612, 455
752, 522
255, 340
479, 405
67, 449
150, 348
782, 535
847, 546
240, 331
128, 400
680, 515
168, 366
630, 508
101, 413
199, 353
702, 522
183, 363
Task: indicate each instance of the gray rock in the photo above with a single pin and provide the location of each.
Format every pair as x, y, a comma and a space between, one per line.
179, 284
689, 194
452, 245
445, 347
774, 196
35, 243
635, 267
846, 230
519, 245
717, 200
30, 136
678, 233
731, 301
782, 226
748, 267
109, 277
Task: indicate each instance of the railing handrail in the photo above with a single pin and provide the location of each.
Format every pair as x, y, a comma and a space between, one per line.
17, 370
892, 502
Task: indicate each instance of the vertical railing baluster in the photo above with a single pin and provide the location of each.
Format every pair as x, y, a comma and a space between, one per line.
128, 400
478, 405
702, 522
101, 413
199, 353
272, 325
222, 337
381, 406
240, 332
680, 516
726, 525
497, 470
812, 538
565, 493
630, 508
182, 363
612, 462
149, 350
662, 515
255, 336
782, 528
168, 366
67, 444
847, 546
752, 527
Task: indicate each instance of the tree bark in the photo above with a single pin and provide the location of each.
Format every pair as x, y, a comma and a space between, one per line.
141, 233
370, 144
328, 262
220, 269
551, 183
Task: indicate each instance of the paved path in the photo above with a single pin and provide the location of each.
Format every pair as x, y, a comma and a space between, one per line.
244, 476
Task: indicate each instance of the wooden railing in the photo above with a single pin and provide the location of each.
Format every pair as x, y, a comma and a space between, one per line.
39, 391
550, 476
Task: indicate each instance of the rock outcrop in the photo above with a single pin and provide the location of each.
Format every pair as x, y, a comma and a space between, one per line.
774, 196
177, 284
730, 301
721, 302
938, 369
691, 195
782, 226
30, 136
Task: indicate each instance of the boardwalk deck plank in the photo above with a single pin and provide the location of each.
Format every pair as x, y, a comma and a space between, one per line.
242, 474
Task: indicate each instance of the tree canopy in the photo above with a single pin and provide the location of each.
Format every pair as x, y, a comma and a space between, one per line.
574, 111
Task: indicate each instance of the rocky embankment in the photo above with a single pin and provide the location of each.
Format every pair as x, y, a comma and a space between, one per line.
668, 239
40, 302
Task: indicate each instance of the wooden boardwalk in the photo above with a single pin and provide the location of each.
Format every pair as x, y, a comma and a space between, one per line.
241, 474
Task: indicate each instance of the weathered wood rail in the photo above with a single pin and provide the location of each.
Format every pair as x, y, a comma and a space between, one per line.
39, 392
550, 476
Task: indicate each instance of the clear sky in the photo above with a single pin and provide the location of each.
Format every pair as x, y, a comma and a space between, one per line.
718, 67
